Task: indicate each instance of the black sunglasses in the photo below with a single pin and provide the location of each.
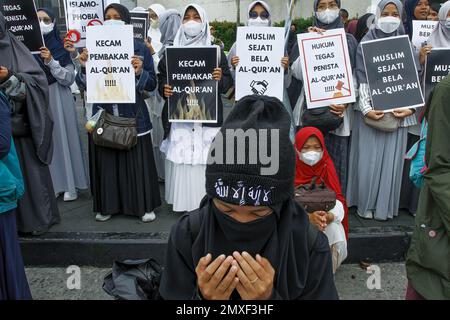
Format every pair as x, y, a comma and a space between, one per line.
264, 15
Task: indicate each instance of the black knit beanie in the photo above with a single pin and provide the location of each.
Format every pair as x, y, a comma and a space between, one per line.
252, 180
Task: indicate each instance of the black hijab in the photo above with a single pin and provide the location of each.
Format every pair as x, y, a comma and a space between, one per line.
18, 59
122, 10
299, 275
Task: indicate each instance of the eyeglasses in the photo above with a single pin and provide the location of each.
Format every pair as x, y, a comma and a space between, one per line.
264, 15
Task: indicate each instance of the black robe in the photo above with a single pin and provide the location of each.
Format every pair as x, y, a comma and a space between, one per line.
301, 272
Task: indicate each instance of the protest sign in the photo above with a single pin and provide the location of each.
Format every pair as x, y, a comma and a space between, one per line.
22, 21
392, 74
139, 20
189, 72
260, 51
422, 30
83, 13
437, 67
326, 68
110, 75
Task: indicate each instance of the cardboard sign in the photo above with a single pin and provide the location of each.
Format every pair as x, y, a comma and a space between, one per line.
83, 13
422, 30
437, 67
189, 72
392, 74
260, 51
326, 68
109, 74
139, 20
22, 21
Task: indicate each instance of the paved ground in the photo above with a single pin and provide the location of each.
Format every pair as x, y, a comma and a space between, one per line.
351, 281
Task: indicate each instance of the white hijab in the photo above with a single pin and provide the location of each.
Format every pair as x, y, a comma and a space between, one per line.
440, 37
155, 33
202, 39
265, 5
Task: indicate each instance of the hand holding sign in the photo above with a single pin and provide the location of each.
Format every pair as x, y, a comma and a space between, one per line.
424, 51
402, 113
168, 91
69, 45
316, 30
234, 61
375, 115
138, 64
285, 63
46, 55
84, 56
217, 74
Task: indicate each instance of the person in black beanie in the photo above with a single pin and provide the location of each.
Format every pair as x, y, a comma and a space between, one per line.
249, 239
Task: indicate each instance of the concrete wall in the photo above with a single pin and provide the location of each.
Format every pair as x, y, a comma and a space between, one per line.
222, 10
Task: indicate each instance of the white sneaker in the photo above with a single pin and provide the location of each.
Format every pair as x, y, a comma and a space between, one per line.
149, 217
102, 218
367, 215
68, 196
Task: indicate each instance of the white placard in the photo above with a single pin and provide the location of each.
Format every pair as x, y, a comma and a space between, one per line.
326, 68
260, 51
422, 30
79, 13
110, 75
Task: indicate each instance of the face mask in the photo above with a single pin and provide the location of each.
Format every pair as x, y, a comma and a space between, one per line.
46, 28
192, 28
447, 23
388, 24
327, 16
154, 23
311, 158
258, 22
112, 22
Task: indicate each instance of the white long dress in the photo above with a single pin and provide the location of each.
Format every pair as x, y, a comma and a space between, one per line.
186, 152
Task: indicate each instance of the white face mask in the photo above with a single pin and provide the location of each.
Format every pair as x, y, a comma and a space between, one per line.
447, 23
258, 22
154, 23
46, 28
311, 158
192, 28
388, 24
327, 16
112, 22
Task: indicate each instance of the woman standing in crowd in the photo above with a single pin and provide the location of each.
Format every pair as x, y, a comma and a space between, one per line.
415, 10
427, 262
68, 168
377, 157
126, 182
25, 86
13, 281
256, 246
259, 16
313, 161
409, 195
440, 37
155, 102
326, 17
187, 144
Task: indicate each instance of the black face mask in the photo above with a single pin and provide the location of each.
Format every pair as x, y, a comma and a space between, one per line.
232, 235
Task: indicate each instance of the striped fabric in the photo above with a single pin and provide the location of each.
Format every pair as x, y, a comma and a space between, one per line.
365, 106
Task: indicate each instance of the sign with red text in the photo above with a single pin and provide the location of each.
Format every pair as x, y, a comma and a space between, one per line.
326, 68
